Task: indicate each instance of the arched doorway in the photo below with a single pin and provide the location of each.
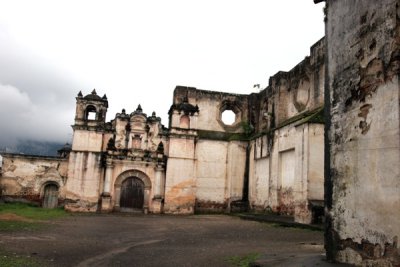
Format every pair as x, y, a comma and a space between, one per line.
128, 184
50, 196
132, 194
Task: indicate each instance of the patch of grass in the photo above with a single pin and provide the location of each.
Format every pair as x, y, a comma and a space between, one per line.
8, 259
19, 216
32, 212
23, 217
243, 261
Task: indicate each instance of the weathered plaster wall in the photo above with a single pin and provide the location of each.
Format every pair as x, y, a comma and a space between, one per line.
25, 176
220, 169
236, 168
289, 168
211, 177
87, 141
287, 177
180, 185
315, 177
84, 181
259, 183
180, 188
363, 143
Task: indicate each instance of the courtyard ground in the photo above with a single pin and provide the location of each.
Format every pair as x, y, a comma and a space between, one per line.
162, 240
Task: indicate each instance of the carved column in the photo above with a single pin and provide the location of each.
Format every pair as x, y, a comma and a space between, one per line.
107, 180
157, 186
146, 200
106, 196
158, 189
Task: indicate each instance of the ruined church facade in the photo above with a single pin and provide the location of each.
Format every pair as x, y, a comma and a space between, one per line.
269, 159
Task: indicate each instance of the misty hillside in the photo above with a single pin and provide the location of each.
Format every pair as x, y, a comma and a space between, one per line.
31, 147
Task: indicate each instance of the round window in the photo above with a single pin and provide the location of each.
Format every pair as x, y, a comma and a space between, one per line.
228, 117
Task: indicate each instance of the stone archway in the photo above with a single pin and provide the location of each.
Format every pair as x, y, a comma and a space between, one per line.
132, 183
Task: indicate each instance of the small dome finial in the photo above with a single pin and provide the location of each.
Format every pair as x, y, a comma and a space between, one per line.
94, 92
80, 94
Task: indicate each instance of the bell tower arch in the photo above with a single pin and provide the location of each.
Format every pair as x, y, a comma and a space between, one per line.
91, 110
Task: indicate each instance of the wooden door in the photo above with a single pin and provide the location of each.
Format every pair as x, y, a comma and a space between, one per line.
132, 193
50, 200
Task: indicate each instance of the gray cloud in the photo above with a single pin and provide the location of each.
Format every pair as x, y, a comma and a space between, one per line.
35, 101
23, 119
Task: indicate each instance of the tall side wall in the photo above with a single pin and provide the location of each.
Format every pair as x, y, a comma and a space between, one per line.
363, 138
286, 160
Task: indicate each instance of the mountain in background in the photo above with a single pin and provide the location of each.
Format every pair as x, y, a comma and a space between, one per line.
33, 147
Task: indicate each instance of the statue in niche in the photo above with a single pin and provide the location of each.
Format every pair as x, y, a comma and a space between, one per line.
137, 141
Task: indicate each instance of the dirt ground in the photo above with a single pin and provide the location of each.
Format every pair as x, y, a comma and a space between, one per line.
13, 217
160, 240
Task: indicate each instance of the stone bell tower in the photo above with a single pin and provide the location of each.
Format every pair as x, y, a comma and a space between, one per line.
85, 167
90, 111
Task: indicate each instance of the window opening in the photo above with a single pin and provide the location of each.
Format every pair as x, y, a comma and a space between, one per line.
228, 117
91, 113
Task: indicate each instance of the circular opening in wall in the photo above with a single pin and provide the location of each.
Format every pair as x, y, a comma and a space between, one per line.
228, 117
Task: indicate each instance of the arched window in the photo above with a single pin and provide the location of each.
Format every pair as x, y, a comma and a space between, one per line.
184, 122
90, 113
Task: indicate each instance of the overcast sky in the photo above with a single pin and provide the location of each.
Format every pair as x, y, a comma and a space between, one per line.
137, 52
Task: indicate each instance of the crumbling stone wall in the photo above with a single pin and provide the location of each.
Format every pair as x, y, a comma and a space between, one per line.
263, 158
363, 132
23, 177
